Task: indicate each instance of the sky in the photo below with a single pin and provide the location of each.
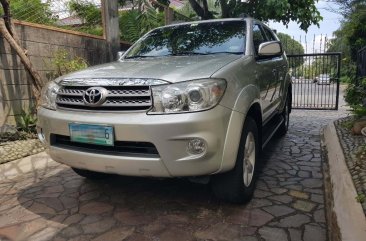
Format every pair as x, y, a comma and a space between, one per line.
331, 22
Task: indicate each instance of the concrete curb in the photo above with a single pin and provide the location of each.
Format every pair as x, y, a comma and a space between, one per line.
348, 212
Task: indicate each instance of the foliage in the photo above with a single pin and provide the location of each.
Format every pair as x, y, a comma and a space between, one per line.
352, 33
347, 7
134, 24
302, 11
27, 122
188, 11
351, 36
150, 19
348, 124
292, 46
361, 198
90, 15
87, 11
356, 97
40, 11
63, 63
345, 79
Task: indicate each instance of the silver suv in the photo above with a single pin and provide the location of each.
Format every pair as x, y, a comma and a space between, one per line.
198, 99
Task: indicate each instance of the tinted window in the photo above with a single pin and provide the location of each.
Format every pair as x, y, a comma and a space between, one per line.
269, 34
196, 38
258, 37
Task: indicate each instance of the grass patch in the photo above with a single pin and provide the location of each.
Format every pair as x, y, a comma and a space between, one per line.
361, 197
348, 124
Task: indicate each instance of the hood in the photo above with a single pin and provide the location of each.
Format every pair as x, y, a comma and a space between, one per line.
171, 68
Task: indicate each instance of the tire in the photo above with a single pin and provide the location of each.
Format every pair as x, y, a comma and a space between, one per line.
90, 174
236, 186
282, 130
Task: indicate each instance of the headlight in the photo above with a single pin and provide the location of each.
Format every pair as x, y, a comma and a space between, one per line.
48, 95
188, 96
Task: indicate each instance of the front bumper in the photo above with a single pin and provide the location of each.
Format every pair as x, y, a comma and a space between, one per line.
169, 133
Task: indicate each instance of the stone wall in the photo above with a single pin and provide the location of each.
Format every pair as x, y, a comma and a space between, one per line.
41, 43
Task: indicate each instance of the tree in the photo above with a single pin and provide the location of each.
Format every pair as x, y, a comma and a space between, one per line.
302, 11
188, 11
134, 24
347, 7
292, 46
87, 11
8, 32
40, 11
138, 21
350, 38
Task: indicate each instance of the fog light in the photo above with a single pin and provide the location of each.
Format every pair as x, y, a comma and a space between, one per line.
196, 146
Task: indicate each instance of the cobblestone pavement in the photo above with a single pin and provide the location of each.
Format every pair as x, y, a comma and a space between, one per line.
53, 203
10, 151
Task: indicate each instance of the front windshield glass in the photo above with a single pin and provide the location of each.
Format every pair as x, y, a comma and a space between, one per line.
192, 39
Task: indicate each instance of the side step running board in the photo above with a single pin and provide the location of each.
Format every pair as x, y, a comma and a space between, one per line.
270, 129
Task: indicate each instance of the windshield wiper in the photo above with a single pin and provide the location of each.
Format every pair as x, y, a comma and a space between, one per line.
189, 53
138, 56
226, 52
209, 53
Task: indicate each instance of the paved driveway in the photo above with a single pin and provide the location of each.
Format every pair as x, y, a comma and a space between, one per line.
52, 203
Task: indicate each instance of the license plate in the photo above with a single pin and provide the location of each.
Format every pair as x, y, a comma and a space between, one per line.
92, 134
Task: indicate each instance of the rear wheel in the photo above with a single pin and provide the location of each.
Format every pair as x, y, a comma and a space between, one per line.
90, 174
237, 185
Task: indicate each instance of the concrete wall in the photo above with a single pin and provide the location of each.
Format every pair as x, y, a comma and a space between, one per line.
41, 43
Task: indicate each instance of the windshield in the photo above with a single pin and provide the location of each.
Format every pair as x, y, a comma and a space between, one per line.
192, 39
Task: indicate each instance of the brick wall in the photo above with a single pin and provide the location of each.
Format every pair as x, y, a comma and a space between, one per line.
41, 43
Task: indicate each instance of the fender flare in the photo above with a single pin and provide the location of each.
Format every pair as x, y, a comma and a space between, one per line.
249, 96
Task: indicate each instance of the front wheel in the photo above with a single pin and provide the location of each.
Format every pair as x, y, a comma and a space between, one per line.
237, 185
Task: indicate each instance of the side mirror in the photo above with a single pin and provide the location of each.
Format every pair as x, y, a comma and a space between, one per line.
120, 54
269, 49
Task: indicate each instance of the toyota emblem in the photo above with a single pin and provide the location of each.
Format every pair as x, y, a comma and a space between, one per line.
95, 96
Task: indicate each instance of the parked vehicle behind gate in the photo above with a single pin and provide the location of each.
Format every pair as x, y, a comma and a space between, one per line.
194, 99
323, 79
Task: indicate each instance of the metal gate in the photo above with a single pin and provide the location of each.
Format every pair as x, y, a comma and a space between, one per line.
315, 80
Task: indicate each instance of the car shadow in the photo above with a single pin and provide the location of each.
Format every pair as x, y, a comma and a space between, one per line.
70, 206
83, 208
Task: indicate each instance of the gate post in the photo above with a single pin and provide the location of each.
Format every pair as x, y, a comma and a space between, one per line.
338, 79
111, 27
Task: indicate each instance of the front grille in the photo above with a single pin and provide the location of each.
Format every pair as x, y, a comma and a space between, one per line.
120, 98
120, 148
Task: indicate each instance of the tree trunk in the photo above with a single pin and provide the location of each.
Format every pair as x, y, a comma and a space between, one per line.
36, 81
224, 9
204, 13
8, 31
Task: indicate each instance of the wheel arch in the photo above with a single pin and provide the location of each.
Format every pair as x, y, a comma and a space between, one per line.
256, 113
234, 133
